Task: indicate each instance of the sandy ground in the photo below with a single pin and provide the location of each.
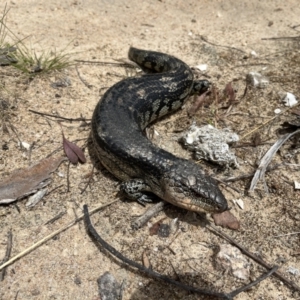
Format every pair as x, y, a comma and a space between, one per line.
67, 266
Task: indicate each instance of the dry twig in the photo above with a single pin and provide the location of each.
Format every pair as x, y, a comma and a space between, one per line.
89, 86
152, 211
255, 258
265, 161
214, 44
59, 117
7, 254
50, 236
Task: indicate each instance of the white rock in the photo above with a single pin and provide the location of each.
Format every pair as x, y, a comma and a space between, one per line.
293, 271
211, 144
24, 145
257, 80
240, 203
277, 111
202, 67
253, 53
36, 198
156, 132
230, 258
61, 174
288, 99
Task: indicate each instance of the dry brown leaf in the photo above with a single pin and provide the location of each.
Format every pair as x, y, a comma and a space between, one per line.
73, 152
155, 227
226, 219
229, 92
23, 182
199, 101
146, 261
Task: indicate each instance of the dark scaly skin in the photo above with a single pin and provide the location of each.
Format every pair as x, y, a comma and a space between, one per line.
117, 129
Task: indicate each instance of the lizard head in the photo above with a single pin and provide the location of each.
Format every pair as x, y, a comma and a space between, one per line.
186, 186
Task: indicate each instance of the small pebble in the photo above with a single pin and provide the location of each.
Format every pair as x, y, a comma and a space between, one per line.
109, 288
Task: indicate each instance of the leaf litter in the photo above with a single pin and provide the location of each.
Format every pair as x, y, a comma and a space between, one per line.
73, 152
27, 181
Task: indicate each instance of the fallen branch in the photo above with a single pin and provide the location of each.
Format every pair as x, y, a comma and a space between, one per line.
93, 233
